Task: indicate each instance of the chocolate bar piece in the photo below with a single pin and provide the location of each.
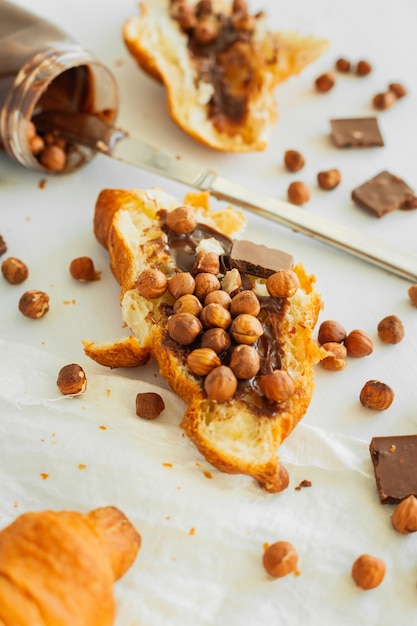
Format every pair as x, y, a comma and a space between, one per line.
395, 467
382, 194
257, 259
360, 132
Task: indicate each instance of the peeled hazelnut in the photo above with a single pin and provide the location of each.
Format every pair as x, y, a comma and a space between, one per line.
220, 384
376, 395
215, 315
204, 284
151, 284
298, 193
181, 284
245, 301
34, 304
149, 405
181, 220
83, 270
71, 380
368, 571
358, 344
330, 330
232, 281
202, 360
246, 329
245, 361
404, 516
219, 297
184, 328
336, 359
329, 179
412, 294
294, 160
391, 329
14, 270
324, 82
363, 68
188, 304
280, 559
217, 339
282, 284
208, 262
277, 386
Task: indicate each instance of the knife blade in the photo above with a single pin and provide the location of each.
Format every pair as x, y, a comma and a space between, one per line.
88, 130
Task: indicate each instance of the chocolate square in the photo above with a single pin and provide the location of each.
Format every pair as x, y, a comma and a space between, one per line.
360, 132
395, 467
382, 194
257, 259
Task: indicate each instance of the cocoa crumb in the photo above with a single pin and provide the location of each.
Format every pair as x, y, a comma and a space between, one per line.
303, 483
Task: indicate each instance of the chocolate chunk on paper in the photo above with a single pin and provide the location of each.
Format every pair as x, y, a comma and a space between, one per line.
257, 259
383, 193
360, 132
395, 467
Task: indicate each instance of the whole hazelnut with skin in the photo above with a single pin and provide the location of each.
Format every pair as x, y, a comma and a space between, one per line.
376, 395
324, 82
363, 68
151, 284
181, 284
294, 160
202, 360
204, 284
246, 329
245, 361
34, 304
391, 329
184, 328
298, 193
14, 270
245, 301
358, 344
330, 330
404, 516
282, 284
181, 220
217, 339
53, 158
277, 386
329, 179
188, 303
368, 571
71, 380
218, 297
220, 384
82, 269
215, 315
280, 559
412, 294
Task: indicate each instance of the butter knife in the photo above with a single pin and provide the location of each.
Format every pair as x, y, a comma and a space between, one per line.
88, 130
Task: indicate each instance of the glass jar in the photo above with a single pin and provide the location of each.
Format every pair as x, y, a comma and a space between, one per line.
41, 70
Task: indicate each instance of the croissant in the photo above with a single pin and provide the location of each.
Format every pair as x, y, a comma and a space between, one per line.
57, 568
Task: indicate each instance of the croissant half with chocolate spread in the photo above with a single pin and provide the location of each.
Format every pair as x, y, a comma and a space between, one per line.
57, 568
220, 66
200, 304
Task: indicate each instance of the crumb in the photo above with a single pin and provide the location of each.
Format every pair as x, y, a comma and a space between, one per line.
103, 427
82, 466
192, 531
43, 475
303, 483
207, 474
42, 183
167, 464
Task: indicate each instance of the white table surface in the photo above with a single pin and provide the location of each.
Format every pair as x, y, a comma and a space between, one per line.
200, 563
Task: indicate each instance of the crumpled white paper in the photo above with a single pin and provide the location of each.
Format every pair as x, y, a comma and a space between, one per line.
203, 532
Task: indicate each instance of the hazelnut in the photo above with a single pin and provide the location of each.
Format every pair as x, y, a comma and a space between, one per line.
184, 328
53, 158
151, 284
232, 281
399, 90
3, 246
188, 303
298, 193
324, 82
280, 559
184, 13
206, 31
390, 329
83, 270
404, 516
181, 220
36, 144
14, 270
246, 329
204, 284
376, 395
34, 304
282, 284
220, 384
293, 160
245, 361
368, 571
215, 315
71, 380
412, 294
245, 301
181, 284
329, 179
217, 339
382, 101
358, 344
219, 297
363, 68
208, 262
330, 330
239, 6
202, 360
277, 386
336, 359
149, 405
342, 65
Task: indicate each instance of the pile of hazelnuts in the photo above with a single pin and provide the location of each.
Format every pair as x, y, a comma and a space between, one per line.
217, 317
